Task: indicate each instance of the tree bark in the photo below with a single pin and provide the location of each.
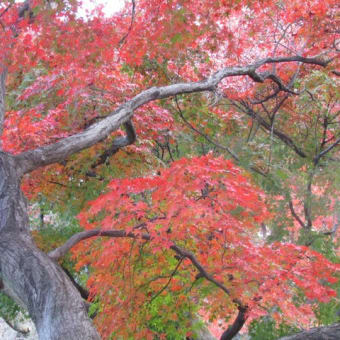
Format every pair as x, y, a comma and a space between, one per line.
319, 333
29, 276
236, 326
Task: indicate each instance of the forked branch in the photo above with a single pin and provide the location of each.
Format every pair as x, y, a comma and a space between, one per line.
57, 152
183, 253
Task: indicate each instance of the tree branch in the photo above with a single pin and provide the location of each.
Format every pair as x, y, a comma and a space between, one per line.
183, 253
324, 152
117, 144
222, 147
283, 137
57, 152
6, 9
236, 326
133, 12
331, 332
307, 204
295, 215
169, 280
187, 254
83, 235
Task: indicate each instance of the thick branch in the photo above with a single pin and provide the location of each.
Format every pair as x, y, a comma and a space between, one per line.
183, 253
25, 8
236, 326
319, 333
31, 160
117, 144
83, 235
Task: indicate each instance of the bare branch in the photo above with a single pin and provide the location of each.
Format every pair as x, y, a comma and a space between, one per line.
170, 279
307, 204
33, 159
283, 137
265, 99
324, 152
312, 60
225, 148
203, 273
133, 12
295, 215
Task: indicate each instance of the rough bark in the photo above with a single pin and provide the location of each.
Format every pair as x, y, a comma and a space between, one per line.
319, 333
32, 278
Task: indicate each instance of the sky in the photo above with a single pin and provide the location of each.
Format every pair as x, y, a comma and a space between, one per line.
110, 6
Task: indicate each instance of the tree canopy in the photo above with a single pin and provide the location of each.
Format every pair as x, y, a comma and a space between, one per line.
180, 164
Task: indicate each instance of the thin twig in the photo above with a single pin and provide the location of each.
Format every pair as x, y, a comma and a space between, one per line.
6, 9
225, 148
167, 284
133, 12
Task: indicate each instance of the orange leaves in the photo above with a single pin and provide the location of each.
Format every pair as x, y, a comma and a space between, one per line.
191, 192
67, 73
203, 203
206, 205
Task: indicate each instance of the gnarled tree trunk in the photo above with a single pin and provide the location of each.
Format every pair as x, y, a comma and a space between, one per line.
29, 275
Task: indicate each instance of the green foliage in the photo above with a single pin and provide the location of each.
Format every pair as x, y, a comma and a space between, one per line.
266, 329
175, 327
328, 313
9, 310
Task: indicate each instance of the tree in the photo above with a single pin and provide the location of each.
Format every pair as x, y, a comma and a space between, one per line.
330, 332
188, 230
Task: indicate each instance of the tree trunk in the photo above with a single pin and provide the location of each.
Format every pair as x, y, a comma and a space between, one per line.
29, 275
236, 326
320, 333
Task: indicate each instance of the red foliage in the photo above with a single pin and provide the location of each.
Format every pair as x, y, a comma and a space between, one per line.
66, 72
209, 207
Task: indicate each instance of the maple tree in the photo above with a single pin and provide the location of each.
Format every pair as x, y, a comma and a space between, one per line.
217, 200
